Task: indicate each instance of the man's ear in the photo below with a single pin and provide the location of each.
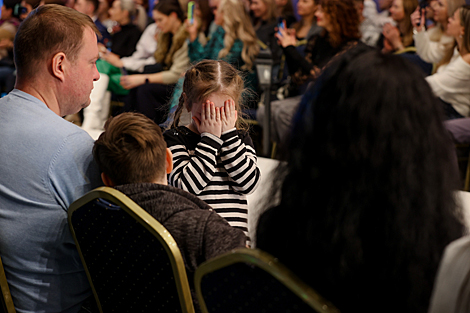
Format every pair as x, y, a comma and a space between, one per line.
169, 161
106, 180
58, 65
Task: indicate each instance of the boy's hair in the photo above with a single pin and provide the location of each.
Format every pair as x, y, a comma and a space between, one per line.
208, 77
131, 149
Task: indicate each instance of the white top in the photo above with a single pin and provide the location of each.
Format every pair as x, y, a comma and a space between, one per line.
432, 51
452, 286
371, 26
145, 49
452, 85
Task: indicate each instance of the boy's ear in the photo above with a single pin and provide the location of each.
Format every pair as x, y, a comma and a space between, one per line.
169, 161
106, 180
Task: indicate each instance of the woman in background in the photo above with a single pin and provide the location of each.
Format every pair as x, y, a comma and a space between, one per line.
450, 83
434, 45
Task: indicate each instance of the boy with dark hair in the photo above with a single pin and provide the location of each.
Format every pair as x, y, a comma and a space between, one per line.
133, 158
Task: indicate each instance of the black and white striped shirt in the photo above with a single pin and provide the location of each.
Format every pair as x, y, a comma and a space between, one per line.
220, 171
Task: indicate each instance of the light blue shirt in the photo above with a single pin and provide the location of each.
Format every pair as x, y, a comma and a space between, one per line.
46, 164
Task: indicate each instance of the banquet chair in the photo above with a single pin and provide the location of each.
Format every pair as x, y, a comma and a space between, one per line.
132, 262
6, 301
250, 280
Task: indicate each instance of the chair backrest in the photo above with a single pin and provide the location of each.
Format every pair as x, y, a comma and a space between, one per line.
132, 262
6, 301
250, 280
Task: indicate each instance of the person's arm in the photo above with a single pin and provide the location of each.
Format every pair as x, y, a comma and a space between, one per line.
238, 157
194, 173
431, 51
296, 61
144, 52
453, 81
171, 76
179, 66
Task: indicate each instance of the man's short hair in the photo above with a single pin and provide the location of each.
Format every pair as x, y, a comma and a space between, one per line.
131, 149
47, 30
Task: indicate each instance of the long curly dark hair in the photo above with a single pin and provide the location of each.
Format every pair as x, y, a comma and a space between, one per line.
343, 18
367, 202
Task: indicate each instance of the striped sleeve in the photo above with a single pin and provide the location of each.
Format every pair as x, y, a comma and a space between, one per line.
239, 160
193, 173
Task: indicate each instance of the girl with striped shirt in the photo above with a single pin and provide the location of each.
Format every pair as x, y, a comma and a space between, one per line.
213, 156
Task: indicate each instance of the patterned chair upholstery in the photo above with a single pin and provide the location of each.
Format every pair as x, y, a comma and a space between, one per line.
132, 262
250, 280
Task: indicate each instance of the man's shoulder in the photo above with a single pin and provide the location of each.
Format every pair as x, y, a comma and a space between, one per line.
29, 118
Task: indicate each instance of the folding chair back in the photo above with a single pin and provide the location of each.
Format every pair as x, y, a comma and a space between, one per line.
132, 262
250, 280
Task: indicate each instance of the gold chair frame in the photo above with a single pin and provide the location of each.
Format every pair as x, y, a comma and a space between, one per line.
7, 301
269, 264
152, 225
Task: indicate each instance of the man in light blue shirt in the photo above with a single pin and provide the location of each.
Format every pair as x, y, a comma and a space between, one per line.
46, 162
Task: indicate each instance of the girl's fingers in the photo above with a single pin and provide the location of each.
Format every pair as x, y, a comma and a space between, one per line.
203, 111
212, 106
223, 113
217, 114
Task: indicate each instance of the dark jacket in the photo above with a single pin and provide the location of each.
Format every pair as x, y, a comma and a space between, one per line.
200, 233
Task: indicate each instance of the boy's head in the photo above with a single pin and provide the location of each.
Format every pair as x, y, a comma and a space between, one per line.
132, 150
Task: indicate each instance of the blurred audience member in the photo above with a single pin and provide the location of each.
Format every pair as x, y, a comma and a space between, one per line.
90, 8
9, 22
151, 91
340, 24
451, 83
433, 45
397, 38
285, 11
366, 194
96, 114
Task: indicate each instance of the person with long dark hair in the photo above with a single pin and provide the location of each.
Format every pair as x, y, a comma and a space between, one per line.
366, 195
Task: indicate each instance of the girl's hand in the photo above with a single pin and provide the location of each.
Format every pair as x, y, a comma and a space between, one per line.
132, 81
287, 36
229, 115
210, 120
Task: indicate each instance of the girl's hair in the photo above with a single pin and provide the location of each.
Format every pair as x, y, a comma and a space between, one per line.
409, 6
237, 25
368, 185
344, 20
465, 22
208, 77
167, 43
